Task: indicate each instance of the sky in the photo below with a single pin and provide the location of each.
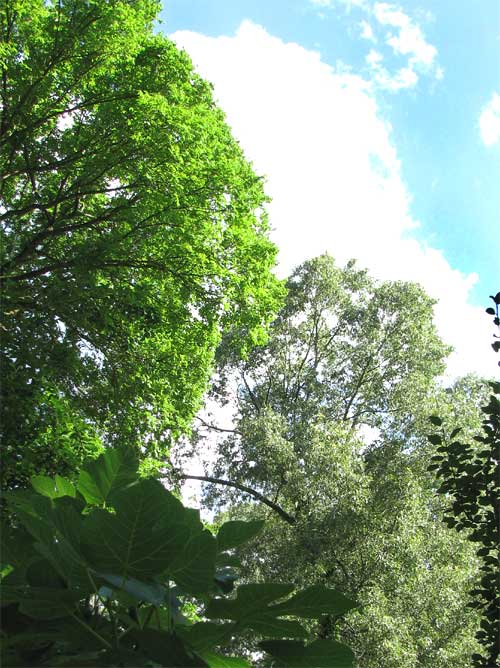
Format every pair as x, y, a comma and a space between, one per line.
377, 128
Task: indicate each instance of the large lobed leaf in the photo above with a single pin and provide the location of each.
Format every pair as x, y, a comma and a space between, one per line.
100, 478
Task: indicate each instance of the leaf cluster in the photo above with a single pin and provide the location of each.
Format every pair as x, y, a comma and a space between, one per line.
470, 481
115, 571
132, 229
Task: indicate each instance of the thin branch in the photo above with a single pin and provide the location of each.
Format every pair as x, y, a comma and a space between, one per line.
216, 428
243, 488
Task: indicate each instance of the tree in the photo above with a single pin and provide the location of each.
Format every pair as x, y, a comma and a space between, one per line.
331, 427
133, 232
471, 486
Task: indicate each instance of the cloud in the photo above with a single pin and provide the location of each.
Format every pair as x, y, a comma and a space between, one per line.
409, 39
391, 26
333, 172
403, 78
367, 31
489, 121
331, 3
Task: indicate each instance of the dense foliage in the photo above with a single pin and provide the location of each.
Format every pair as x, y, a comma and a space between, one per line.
133, 234
134, 256
115, 571
331, 426
470, 477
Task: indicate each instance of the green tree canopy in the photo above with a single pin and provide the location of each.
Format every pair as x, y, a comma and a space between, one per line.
330, 425
133, 230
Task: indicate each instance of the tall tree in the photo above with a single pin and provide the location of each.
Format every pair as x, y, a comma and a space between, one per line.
133, 231
330, 427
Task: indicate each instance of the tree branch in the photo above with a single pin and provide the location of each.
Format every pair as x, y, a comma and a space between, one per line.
215, 428
243, 488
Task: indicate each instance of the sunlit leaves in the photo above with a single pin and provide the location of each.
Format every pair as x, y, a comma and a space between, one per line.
133, 235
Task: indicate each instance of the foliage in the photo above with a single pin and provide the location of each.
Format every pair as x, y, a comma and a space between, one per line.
331, 426
99, 573
133, 231
471, 484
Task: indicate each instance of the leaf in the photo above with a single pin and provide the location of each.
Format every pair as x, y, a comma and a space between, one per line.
45, 602
319, 654
53, 488
16, 547
435, 439
225, 559
81, 660
194, 567
136, 541
234, 533
41, 573
33, 511
250, 598
314, 602
436, 420
490, 311
60, 544
165, 648
112, 471
273, 627
204, 635
149, 592
220, 661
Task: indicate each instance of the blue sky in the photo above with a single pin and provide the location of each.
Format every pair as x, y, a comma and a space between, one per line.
377, 126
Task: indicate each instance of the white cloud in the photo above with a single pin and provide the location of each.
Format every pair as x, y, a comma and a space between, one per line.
489, 121
404, 37
409, 39
331, 3
333, 172
367, 31
405, 77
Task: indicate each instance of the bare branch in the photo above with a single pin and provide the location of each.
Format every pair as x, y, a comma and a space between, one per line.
216, 428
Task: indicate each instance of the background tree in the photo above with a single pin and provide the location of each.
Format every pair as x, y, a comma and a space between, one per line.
331, 426
133, 233
470, 476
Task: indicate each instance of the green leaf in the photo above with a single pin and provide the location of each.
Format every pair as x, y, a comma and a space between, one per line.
54, 488
319, 654
273, 627
435, 439
112, 471
152, 593
136, 541
235, 533
165, 648
194, 567
204, 635
436, 420
60, 543
16, 547
43, 602
219, 661
250, 598
225, 559
314, 602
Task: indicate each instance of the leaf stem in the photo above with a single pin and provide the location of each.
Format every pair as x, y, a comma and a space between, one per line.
91, 630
